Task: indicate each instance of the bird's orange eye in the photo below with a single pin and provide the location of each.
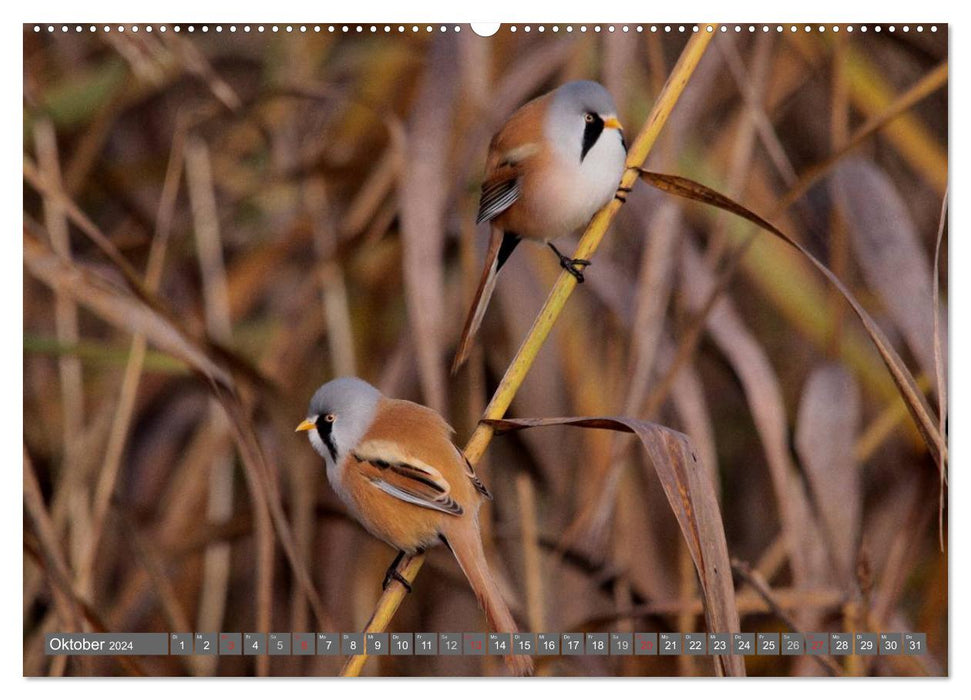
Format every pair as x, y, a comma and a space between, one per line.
588, 118
330, 418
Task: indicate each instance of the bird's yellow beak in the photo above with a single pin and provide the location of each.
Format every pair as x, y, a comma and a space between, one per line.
612, 123
306, 425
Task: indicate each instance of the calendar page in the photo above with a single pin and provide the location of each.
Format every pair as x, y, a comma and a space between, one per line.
547, 349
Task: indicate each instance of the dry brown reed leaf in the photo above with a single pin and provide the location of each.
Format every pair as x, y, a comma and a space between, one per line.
904, 380
889, 250
692, 499
827, 427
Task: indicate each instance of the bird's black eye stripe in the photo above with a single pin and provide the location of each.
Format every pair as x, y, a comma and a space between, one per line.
592, 128
325, 424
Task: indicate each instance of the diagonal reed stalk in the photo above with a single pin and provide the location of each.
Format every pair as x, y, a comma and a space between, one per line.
690, 57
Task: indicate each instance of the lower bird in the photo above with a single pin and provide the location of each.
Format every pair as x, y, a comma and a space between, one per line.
553, 164
395, 467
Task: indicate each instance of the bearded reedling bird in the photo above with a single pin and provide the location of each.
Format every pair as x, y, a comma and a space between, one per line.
394, 466
555, 162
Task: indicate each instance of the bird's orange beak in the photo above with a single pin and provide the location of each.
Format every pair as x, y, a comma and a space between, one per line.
306, 425
612, 123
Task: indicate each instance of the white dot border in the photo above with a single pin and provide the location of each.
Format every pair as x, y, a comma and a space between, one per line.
511, 28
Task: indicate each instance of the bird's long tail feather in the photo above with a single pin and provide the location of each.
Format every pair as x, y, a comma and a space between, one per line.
466, 544
501, 246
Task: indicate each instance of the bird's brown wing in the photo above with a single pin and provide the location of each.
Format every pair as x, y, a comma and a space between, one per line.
404, 477
473, 477
510, 151
497, 196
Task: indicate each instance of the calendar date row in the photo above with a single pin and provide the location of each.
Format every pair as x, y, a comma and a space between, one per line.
492, 643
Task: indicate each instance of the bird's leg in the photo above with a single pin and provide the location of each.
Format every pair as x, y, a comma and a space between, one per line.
572, 265
621, 193
393, 575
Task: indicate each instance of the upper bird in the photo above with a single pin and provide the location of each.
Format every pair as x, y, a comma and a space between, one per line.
553, 164
394, 466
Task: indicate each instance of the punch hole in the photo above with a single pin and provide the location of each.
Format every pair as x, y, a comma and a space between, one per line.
485, 28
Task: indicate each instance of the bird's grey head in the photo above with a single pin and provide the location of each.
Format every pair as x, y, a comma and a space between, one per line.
340, 413
582, 113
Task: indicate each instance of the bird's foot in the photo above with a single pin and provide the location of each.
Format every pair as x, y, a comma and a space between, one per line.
621, 193
572, 265
393, 575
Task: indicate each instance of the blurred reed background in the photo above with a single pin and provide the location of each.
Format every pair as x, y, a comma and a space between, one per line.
283, 208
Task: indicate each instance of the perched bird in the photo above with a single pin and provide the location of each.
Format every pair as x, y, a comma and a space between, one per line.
394, 466
555, 162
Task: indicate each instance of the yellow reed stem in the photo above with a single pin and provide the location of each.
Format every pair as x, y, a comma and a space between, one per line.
690, 57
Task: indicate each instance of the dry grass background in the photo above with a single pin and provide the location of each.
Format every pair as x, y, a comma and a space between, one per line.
215, 224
